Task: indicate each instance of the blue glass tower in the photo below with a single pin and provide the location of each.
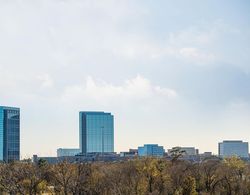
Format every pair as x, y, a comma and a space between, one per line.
9, 134
96, 130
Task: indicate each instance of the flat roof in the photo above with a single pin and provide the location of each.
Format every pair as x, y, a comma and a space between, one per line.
94, 112
8, 107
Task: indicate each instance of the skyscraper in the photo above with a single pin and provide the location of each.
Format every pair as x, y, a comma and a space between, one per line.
9, 134
233, 148
96, 132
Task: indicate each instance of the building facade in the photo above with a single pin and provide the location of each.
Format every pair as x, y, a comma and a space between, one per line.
186, 151
151, 150
96, 132
189, 151
233, 148
67, 152
9, 134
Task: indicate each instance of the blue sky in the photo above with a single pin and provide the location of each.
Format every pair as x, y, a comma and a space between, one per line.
171, 72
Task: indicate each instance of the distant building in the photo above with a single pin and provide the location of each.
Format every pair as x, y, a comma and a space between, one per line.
187, 151
9, 134
151, 150
206, 154
96, 131
68, 152
49, 160
233, 148
90, 157
133, 151
130, 153
127, 154
190, 151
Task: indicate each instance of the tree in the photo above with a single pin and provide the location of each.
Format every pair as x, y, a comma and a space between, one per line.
189, 186
80, 177
176, 153
209, 170
62, 174
22, 178
138, 176
233, 178
42, 163
32, 179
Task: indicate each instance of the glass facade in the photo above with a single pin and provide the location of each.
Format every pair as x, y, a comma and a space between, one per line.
151, 150
233, 148
96, 130
1, 133
9, 134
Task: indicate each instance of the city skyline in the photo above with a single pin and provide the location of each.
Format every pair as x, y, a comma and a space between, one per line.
170, 75
92, 137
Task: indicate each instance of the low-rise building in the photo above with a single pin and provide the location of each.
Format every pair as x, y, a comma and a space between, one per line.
151, 150
130, 153
186, 151
230, 148
67, 151
206, 154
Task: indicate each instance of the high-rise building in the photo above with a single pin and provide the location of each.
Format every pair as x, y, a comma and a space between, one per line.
151, 150
67, 152
233, 148
96, 131
9, 134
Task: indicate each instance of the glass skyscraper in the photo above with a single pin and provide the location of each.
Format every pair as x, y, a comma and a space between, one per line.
9, 134
96, 132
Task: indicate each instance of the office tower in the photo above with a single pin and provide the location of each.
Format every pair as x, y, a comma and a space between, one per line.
67, 152
96, 131
151, 150
233, 148
9, 134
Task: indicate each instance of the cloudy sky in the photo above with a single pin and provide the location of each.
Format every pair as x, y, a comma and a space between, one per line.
171, 72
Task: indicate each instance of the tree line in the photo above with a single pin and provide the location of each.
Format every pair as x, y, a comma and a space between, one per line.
152, 176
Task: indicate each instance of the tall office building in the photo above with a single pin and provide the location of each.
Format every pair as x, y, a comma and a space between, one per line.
9, 134
233, 148
96, 131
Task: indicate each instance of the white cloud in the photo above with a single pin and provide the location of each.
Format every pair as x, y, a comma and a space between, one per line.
138, 88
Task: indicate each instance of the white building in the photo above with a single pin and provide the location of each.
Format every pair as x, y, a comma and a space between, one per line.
187, 151
233, 148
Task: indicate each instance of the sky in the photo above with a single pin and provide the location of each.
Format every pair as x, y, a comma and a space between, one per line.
175, 73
